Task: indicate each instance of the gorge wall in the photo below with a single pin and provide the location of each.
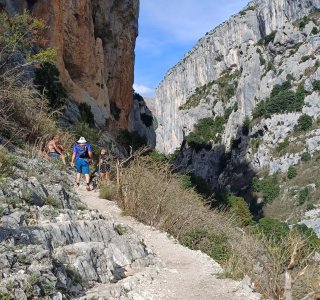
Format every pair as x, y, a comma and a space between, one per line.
95, 43
225, 49
244, 103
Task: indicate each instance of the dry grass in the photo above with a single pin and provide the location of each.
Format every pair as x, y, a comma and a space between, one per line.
24, 114
150, 192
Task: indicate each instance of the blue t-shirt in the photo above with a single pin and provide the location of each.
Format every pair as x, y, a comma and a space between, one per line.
76, 149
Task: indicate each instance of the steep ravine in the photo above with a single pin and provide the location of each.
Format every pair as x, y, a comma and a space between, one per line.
244, 103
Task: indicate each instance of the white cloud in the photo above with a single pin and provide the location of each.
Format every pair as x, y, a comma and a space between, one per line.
187, 20
143, 90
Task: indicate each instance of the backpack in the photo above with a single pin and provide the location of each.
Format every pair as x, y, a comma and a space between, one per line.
82, 151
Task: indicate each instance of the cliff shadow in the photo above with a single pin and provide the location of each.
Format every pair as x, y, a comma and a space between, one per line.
222, 169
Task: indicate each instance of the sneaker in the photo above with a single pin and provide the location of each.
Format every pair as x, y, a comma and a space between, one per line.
88, 188
78, 184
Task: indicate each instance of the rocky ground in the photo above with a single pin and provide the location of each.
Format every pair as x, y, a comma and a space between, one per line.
177, 272
51, 245
57, 244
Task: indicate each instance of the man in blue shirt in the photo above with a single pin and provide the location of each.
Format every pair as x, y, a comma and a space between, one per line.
82, 155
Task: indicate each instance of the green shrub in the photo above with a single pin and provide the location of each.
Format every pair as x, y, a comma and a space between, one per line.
305, 156
316, 85
157, 156
281, 100
282, 145
270, 66
120, 229
262, 60
292, 172
290, 78
92, 135
240, 208
312, 240
7, 162
268, 38
268, 187
303, 195
53, 202
273, 228
310, 206
228, 112
185, 181
205, 130
215, 245
108, 192
305, 58
86, 115
47, 82
314, 30
304, 123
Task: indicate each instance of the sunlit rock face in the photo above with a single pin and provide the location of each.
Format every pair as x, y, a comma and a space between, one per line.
232, 47
95, 42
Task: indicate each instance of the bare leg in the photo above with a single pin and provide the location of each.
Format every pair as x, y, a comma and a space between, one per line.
63, 157
78, 178
107, 178
87, 176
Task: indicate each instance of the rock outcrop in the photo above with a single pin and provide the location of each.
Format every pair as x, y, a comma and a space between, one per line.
51, 245
228, 48
142, 120
95, 43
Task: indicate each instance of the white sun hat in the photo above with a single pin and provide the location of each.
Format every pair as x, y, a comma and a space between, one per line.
82, 140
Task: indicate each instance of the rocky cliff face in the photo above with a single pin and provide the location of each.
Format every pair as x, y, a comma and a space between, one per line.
229, 47
244, 102
95, 42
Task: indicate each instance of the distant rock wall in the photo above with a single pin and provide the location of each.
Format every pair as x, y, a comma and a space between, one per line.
227, 48
95, 42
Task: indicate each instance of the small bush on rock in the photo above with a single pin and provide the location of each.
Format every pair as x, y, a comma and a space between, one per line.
292, 172
268, 187
241, 209
303, 195
282, 100
205, 130
47, 82
7, 162
316, 85
273, 228
304, 123
305, 156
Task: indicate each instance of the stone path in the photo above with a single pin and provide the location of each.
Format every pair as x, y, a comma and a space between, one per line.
180, 273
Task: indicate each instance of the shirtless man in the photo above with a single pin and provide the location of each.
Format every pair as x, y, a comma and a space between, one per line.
55, 149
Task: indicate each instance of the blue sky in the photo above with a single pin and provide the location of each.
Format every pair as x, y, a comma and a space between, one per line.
170, 28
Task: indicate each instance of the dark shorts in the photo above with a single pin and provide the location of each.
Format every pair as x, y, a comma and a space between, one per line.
82, 166
105, 168
54, 155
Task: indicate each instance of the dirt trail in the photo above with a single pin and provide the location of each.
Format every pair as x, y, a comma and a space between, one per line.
181, 273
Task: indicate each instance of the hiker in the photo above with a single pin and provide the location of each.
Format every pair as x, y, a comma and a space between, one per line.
82, 155
55, 149
104, 166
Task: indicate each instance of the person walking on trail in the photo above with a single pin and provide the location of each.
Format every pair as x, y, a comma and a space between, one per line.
55, 149
81, 157
104, 166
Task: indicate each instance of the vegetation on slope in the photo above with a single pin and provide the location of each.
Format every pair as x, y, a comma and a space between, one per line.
153, 194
